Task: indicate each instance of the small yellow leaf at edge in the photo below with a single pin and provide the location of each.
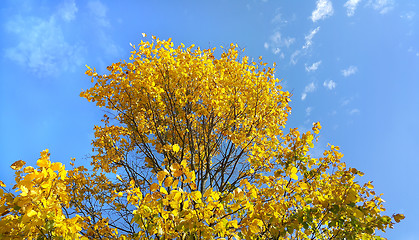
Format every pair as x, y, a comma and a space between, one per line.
18, 165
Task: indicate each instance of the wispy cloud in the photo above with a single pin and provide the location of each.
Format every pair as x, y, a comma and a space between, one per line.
278, 19
308, 111
309, 37
303, 51
294, 57
323, 10
346, 101
329, 84
277, 39
41, 45
277, 42
383, 6
351, 6
99, 11
349, 71
408, 16
308, 88
354, 111
313, 67
68, 10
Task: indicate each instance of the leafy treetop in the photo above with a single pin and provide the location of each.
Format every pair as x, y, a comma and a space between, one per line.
193, 148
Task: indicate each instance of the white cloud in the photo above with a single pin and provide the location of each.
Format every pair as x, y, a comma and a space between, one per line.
308, 111
313, 67
278, 18
288, 41
329, 84
41, 45
349, 71
323, 10
308, 88
266, 45
383, 6
408, 16
294, 57
277, 51
309, 38
309, 41
68, 10
276, 37
346, 102
99, 10
277, 42
354, 111
351, 6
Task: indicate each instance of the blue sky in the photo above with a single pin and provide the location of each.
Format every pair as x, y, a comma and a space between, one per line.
352, 65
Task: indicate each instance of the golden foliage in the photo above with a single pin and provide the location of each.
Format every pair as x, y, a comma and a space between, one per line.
196, 149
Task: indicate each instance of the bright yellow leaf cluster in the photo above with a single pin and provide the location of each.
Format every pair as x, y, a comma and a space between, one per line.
37, 211
196, 149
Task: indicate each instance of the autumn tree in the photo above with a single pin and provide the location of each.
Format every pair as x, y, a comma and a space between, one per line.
193, 147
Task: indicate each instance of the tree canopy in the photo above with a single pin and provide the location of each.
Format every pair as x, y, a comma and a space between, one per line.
193, 147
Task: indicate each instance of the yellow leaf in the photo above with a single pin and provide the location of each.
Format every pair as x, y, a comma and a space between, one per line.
168, 181
191, 176
196, 195
293, 174
161, 175
28, 169
18, 165
234, 224
303, 185
369, 185
43, 162
255, 226
175, 183
2, 184
352, 196
31, 213
184, 163
176, 170
119, 178
144, 35
163, 190
176, 148
63, 174
358, 213
398, 217
24, 191
154, 187
56, 166
46, 184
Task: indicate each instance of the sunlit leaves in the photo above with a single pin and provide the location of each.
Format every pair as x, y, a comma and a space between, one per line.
36, 211
193, 147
